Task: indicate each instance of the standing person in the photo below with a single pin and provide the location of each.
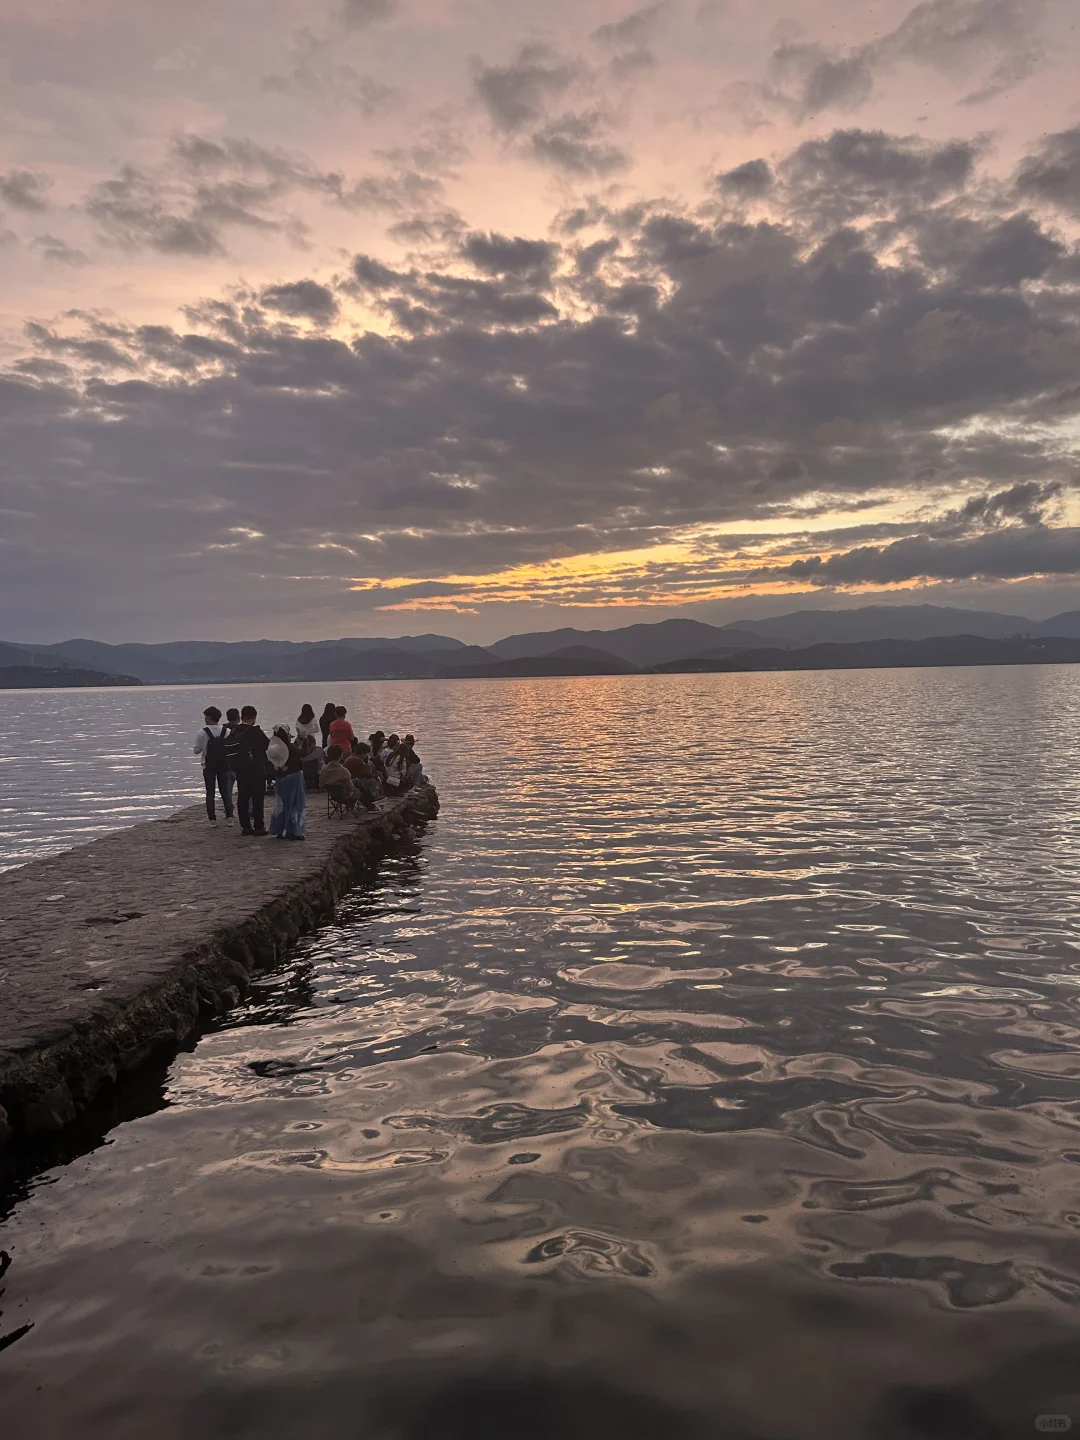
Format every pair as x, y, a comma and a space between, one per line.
232, 721
248, 742
341, 732
307, 727
210, 745
326, 719
290, 796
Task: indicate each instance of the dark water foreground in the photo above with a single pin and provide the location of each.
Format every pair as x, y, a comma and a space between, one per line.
709, 1069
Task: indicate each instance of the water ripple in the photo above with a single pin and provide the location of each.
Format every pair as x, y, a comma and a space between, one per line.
718, 1018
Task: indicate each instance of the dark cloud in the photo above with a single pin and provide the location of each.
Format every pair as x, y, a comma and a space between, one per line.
532, 260
632, 29
517, 95
371, 274
1006, 554
302, 300
522, 101
132, 210
747, 181
1052, 174
575, 143
56, 251
25, 190
358, 14
990, 40
815, 79
202, 189
626, 40
866, 172
998, 254
678, 368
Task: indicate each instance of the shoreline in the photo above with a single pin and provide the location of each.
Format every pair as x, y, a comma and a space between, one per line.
122, 947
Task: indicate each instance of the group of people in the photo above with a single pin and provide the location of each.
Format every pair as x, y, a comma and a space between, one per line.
322, 753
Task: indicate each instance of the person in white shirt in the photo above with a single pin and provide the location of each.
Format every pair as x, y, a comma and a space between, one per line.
306, 723
210, 746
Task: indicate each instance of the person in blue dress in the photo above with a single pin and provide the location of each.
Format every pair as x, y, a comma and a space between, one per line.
290, 792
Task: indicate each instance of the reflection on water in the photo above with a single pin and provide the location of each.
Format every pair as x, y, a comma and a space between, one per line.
709, 1068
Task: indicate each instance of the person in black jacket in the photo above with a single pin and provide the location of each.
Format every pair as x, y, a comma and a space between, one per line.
326, 719
249, 762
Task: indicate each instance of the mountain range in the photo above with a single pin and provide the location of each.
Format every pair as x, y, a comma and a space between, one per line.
666, 644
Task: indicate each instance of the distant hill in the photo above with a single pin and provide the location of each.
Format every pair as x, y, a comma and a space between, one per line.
889, 654
890, 622
54, 677
1067, 623
665, 644
176, 662
638, 645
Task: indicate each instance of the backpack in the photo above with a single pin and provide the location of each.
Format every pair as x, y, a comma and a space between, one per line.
214, 757
234, 749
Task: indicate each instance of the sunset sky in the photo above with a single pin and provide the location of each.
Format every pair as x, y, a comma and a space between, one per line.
388, 316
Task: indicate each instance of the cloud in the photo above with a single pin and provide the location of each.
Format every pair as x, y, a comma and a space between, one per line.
574, 143
632, 29
1051, 175
25, 190
202, 189
747, 181
863, 172
625, 415
1007, 554
991, 40
519, 99
359, 14
317, 77
517, 95
302, 300
56, 251
531, 260
626, 40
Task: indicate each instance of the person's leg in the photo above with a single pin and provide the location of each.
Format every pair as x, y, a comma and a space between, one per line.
208, 777
244, 799
295, 805
258, 801
226, 793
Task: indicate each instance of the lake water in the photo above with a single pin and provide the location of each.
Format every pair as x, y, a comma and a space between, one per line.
708, 1068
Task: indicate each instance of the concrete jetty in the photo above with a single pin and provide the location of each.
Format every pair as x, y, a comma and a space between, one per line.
116, 949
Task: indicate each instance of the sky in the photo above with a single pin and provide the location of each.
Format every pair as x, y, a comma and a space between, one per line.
380, 317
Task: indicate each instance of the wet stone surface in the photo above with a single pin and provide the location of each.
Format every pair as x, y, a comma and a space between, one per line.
116, 948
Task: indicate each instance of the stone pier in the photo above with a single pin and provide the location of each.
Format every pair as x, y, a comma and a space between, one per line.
120, 948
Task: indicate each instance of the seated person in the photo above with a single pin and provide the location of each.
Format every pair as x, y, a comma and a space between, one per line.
414, 771
333, 775
314, 758
361, 769
395, 766
337, 780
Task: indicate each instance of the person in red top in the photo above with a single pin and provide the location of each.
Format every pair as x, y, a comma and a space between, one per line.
341, 732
